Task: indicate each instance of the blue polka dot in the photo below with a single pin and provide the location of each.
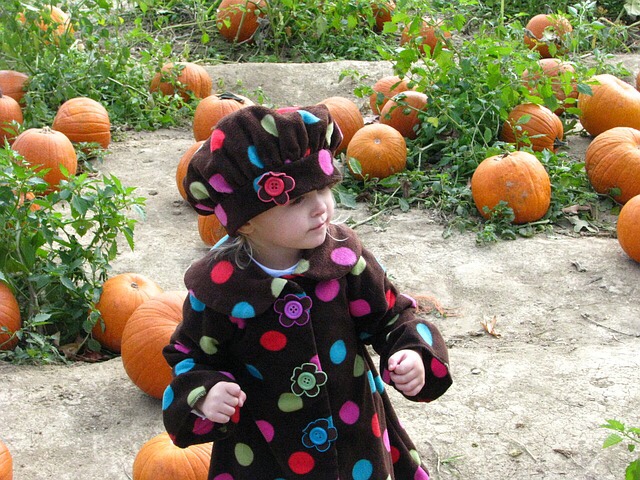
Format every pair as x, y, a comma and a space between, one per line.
253, 156
379, 384
372, 382
184, 366
425, 333
167, 397
254, 372
362, 470
220, 242
308, 117
338, 352
243, 310
196, 304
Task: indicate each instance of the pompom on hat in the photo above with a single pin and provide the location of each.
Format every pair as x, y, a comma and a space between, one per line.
257, 158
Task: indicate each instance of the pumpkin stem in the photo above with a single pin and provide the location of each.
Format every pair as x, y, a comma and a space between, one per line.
134, 285
558, 142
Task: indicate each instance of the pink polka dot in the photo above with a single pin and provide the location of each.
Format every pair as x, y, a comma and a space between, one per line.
202, 426
266, 429
328, 290
349, 413
344, 256
385, 440
219, 184
217, 139
421, 474
301, 463
203, 207
386, 376
223, 476
438, 368
181, 348
221, 214
325, 161
221, 272
287, 109
316, 361
359, 308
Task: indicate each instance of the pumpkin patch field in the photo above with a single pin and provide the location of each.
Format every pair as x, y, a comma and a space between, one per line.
543, 332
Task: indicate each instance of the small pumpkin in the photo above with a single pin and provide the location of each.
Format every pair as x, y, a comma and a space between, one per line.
612, 160
186, 77
183, 165
544, 30
212, 109
517, 178
83, 119
558, 72
628, 228
6, 462
380, 150
347, 116
534, 125
614, 103
44, 148
430, 34
10, 112
121, 295
10, 321
238, 20
382, 11
13, 84
160, 459
402, 112
145, 334
210, 229
384, 89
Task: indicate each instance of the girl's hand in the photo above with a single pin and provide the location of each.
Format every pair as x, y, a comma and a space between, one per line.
407, 371
221, 402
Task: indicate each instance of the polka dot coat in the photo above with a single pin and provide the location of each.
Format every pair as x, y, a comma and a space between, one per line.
316, 406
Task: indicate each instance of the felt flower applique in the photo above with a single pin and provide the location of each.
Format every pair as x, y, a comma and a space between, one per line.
307, 380
319, 434
275, 187
293, 310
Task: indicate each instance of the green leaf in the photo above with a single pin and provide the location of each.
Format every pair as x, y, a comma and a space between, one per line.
633, 471
611, 440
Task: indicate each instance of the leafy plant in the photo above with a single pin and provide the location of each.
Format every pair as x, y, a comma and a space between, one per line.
621, 434
55, 251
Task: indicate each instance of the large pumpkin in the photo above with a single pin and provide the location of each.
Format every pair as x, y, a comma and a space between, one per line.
612, 161
380, 150
6, 463
54, 18
238, 20
212, 109
183, 165
544, 30
83, 119
535, 123
210, 229
430, 35
145, 334
629, 228
121, 295
160, 459
382, 12
13, 84
9, 318
614, 103
517, 178
10, 112
44, 148
347, 116
187, 77
402, 112
384, 89
559, 73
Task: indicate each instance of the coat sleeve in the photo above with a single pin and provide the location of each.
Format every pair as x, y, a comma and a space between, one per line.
198, 359
387, 320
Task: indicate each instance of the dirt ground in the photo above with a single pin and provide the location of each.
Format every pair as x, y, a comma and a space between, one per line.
524, 405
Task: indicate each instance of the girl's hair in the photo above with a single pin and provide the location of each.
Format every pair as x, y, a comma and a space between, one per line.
237, 249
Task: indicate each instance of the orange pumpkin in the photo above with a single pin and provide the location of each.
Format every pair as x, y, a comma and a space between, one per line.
183, 165
44, 148
10, 112
121, 295
83, 119
382, 12
160, 459
614, 103
212, 109
384, 89
13, 84
187, 78
10, 321
402, 112
612, 160
238, 20
637, 81
380, 149
540, 128
628, 228
555, 70
544, 30
6, 463
145, 334
347, 116
210, 229
517, 178
54, 18
430, 35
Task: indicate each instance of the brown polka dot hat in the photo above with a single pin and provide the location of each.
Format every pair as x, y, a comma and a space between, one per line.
258, 158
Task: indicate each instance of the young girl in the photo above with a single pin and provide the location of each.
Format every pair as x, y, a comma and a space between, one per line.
270, 361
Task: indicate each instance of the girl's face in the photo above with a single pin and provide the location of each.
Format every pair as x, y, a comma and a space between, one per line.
279, 235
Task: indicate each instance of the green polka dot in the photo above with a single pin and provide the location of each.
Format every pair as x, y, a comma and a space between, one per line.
198, 190
244, 454
329, 133
358, 366
209, 345
269, 124
277, 284
359, 267
416, 456
195, 395
288, 402
393, 320
302, 267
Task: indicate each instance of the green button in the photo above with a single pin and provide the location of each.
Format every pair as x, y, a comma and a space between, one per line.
306, 381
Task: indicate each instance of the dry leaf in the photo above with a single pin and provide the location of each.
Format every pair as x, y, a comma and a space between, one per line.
490, 326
